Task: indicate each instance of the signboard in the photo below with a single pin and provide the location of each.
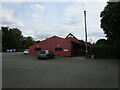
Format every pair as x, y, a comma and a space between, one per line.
37, 45
65, 50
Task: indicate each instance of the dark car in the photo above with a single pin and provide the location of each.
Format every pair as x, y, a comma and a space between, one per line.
46, 54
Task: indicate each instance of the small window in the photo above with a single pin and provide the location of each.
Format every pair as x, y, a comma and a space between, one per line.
58, 49
70, 36
37, 49
50, 52
43, 52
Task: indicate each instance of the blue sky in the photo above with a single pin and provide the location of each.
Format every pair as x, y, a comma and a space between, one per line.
42, 20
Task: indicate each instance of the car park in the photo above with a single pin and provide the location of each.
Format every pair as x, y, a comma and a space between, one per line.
46, 54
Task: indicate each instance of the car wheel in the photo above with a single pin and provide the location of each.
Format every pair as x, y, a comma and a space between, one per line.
46, 58
38, 58
53, 57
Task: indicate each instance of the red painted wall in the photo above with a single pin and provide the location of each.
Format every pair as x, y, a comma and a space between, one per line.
51, 44
55, 42
72, 39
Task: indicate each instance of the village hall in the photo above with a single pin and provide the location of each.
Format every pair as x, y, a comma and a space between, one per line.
68, 46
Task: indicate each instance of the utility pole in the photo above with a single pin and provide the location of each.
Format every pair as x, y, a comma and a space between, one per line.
85, 33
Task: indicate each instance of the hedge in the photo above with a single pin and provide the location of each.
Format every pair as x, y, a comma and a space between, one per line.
105, 51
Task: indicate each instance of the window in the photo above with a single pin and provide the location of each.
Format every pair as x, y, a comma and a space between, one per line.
43, 52
58, 49
37, 49
70, 36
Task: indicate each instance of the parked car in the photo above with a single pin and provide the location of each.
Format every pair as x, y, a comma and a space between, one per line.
46, 54
26, 52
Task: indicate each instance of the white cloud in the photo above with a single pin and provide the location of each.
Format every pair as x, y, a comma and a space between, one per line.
93, 10
58, 0
37, 8
28, 32
73, 15
7, 18
95, 33
72, 22
34, 13
37, 11
9, 21
72, 10
91, 0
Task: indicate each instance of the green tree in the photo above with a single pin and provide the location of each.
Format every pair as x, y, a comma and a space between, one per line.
5, 38
11, 38
101, 42
37, 41
110, 22
27, 41
0, 36
82, 41
16, 38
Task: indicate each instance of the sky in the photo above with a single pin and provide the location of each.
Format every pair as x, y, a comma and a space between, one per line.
42, 20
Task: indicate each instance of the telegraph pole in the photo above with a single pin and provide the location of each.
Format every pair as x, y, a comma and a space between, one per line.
85, 33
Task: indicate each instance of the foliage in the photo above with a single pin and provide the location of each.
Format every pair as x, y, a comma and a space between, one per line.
101, 41
0, 36
27, 41
110, 22
12, 38
102, 49
38, 41
82, 41
105, 51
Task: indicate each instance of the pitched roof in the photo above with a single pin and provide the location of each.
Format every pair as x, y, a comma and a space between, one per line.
70, 35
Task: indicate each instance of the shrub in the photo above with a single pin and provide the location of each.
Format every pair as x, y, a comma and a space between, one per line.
105, 51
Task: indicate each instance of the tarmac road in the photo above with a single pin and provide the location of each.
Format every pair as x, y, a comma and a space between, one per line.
24, 71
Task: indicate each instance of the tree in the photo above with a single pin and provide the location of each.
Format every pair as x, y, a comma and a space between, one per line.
0, 36
11, 38
16, 38
5, 37
38, 41
82, 41
101, 42
110, 22
27, 41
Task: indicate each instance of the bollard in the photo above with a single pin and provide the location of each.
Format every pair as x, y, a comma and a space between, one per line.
92, 56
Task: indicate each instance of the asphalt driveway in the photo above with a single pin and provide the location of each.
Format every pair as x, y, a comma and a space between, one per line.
24, 71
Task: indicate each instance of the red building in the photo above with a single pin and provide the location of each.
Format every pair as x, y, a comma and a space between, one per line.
69, 46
